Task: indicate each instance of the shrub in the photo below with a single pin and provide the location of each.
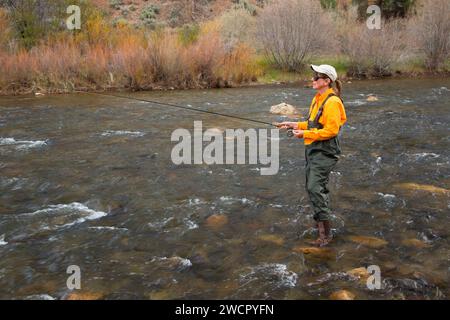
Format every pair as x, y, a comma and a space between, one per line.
5, 30
245, 5
149, 15
237, 26
32, 20
389, 8
288, 32
370, 52
189, 34
431, 29
125, 58
115, 4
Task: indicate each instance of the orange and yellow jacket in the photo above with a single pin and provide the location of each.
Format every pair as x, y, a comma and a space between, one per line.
333, 117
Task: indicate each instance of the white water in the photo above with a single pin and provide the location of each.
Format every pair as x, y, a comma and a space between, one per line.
2, 241
275, 272
110, 133
22, 144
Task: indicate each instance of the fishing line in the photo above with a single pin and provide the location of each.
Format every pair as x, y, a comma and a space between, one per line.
180, 107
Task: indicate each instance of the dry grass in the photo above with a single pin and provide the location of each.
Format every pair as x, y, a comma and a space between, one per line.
102, 58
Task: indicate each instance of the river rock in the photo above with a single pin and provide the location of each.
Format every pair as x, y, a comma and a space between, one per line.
164, 294
342, 295
372, 98
173, 263
361, 273
369, 241
315, 251
271, 238
416, 243
84, 296
423, 187
284, 109
216, 221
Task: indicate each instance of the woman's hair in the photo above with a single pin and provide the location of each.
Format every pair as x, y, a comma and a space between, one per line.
338, 88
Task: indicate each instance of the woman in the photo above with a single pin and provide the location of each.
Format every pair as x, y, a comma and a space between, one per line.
320, 134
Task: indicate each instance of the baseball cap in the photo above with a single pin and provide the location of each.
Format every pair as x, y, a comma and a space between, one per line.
330, 71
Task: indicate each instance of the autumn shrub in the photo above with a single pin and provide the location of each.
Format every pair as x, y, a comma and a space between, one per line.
287, 30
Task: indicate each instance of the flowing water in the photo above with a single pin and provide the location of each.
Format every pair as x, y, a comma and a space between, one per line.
88, 180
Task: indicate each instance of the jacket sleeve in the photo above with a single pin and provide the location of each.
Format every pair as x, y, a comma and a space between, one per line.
331, 124
302, 125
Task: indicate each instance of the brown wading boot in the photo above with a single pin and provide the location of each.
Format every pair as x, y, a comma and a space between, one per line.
325, 235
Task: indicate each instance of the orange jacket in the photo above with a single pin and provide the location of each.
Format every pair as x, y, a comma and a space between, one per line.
333, 117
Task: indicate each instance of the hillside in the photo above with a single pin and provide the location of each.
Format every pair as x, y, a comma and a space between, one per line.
172, 12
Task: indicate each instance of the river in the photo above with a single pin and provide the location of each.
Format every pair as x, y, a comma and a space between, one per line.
88, 180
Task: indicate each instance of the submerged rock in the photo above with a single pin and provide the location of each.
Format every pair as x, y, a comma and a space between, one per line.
342, 295
84, 296
423, 187
164, 294
369, 241
416, 243
271, 238
173, 263
372, 98
361, 273
284, 109
315, 251
216, 221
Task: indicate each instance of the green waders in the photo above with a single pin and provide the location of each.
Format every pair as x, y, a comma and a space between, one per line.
321, 157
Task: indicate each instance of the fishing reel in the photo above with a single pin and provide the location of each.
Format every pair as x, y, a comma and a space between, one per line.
290, 132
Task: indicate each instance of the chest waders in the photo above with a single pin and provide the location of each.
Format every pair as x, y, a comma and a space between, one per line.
321, 157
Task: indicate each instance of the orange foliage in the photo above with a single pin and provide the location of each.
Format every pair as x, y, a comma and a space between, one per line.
101, 57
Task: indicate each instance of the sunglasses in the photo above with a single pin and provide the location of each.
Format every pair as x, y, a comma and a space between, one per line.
319, 76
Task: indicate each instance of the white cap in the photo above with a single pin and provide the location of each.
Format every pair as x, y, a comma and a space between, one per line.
330, 71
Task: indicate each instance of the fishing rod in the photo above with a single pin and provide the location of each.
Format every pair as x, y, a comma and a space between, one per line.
289, 131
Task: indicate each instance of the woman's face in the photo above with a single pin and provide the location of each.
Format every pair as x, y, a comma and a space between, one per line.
320, 81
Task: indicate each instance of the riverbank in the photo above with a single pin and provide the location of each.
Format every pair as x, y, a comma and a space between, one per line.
272, 78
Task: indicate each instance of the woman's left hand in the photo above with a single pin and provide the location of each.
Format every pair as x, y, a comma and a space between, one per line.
298, 133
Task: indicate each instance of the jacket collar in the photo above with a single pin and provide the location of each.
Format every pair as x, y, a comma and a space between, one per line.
324, 95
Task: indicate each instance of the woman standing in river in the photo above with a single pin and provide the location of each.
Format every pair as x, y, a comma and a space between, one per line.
320, 133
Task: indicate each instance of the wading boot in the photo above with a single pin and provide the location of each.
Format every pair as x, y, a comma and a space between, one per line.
325, 235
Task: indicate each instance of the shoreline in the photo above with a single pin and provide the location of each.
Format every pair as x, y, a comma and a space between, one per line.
253, 84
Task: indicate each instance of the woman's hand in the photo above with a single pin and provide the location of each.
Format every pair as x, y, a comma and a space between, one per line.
287, 125
298, 133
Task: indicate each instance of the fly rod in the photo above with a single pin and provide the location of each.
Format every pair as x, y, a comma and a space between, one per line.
289, 131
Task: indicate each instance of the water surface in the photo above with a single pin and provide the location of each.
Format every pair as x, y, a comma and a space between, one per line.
88, 180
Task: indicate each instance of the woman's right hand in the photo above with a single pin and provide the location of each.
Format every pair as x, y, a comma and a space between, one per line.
287, 125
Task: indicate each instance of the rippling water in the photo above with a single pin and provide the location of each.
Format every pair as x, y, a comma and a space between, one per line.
88, 181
